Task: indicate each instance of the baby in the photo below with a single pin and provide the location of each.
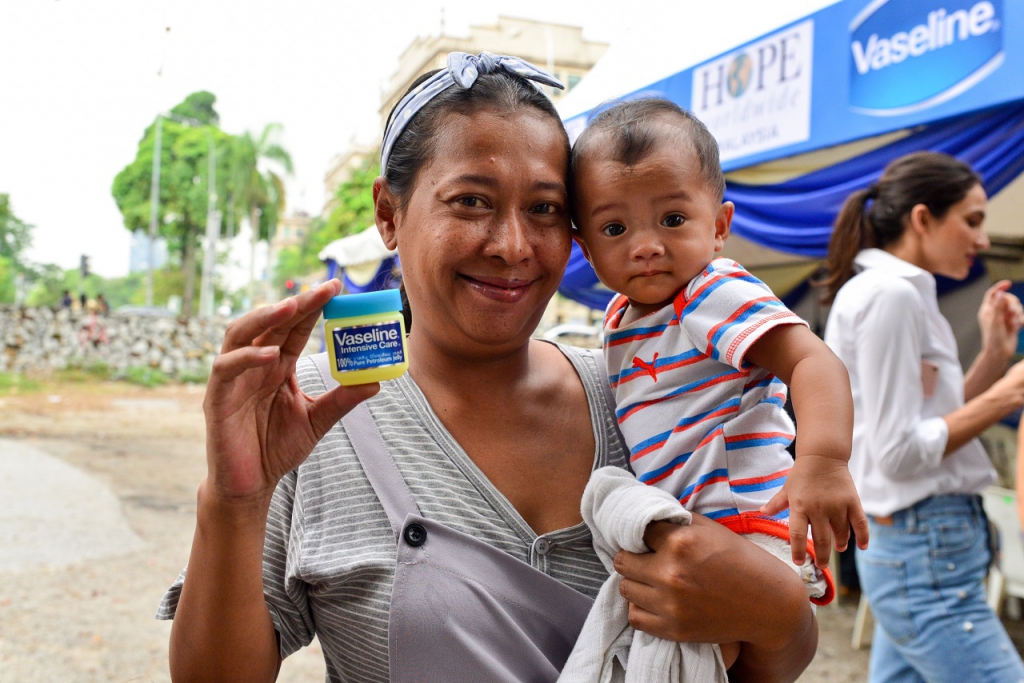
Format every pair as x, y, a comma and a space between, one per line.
700, 352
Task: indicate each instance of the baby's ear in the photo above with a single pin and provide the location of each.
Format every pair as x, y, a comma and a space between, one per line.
723, 223
583, 245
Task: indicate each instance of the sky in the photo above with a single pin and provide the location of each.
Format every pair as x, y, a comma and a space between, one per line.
81, 79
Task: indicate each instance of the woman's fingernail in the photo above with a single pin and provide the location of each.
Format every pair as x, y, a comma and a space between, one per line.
269, 351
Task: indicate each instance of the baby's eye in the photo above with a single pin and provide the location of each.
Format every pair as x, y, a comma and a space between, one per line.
673, 221
613, 229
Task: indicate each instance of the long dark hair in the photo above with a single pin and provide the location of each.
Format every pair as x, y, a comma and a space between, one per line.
500, 91
877, 215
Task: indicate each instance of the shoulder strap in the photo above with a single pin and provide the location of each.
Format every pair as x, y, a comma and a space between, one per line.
602, 371
373, 455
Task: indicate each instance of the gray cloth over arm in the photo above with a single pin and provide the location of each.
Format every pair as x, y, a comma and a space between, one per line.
618, 508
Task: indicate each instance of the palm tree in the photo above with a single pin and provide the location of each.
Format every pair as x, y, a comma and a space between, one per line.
259, 194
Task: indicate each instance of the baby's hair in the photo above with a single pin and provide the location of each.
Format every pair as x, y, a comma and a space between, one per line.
634, 131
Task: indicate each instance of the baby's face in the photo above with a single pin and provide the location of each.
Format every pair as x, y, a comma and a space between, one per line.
650, 228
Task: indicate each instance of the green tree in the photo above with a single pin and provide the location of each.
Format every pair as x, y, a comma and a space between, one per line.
352, 213
7, 283
302, 259
199, 107
15, 238
260, 194
353, 204
15, 234
184, 181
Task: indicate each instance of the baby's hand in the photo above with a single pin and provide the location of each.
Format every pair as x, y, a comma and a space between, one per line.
819, 491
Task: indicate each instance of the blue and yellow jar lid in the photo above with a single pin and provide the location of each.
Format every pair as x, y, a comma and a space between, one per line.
370, 303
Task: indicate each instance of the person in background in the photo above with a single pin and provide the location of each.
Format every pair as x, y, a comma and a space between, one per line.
101, 302
65, 299
916, 460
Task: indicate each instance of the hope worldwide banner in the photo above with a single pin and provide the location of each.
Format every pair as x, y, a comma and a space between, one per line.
851, 70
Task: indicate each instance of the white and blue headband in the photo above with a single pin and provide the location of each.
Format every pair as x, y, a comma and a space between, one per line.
463, 69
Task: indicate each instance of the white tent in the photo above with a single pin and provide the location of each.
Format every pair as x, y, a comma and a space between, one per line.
360, 255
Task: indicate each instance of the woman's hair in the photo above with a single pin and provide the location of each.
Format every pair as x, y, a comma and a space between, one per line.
500, 92
628, 132
877, 215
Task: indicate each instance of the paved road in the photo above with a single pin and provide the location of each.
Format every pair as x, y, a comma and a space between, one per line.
53, 514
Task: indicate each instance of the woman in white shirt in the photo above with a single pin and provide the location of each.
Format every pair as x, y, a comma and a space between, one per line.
916, 460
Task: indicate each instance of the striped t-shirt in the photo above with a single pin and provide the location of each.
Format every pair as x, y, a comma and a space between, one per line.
699, 421
329, 556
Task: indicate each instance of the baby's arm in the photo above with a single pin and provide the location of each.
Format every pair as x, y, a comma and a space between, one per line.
819, 491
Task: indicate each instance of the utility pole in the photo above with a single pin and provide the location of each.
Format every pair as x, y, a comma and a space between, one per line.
154, 209
254, 222
206, 290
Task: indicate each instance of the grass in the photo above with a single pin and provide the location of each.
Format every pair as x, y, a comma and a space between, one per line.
14, 383
95, 371
200, 376
144, 376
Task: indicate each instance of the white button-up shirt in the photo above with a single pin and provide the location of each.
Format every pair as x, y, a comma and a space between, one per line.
885, 325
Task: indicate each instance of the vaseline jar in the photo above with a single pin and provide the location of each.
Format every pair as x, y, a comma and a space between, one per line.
365, 336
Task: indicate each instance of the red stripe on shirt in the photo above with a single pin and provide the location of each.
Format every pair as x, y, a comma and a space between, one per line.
758, 480
753, 328
680, 303
731, 319
732, 376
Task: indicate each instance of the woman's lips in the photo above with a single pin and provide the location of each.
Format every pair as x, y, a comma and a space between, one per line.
500, 289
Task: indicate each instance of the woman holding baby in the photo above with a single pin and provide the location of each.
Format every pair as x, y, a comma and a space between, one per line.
490, 439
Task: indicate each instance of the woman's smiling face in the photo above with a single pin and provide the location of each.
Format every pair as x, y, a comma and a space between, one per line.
484, 236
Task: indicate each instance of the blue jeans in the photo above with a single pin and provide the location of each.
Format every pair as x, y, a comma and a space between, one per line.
922, 575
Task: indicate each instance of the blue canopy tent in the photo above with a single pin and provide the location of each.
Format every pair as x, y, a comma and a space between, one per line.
806, 92
362, 261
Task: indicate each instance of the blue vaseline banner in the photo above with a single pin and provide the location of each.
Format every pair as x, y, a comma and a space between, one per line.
909, 55
851, 70
368, 346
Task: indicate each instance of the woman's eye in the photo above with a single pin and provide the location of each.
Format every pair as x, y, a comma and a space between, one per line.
614, 229
673, 221
471, 202
545, 207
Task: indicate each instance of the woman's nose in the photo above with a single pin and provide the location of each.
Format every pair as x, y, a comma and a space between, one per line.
983, 242
510, 240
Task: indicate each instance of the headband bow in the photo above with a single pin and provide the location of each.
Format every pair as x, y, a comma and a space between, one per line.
463, 69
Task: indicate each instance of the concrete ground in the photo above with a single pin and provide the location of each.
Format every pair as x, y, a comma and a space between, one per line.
97, 508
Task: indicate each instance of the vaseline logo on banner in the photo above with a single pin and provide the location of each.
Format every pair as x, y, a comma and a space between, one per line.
912, 55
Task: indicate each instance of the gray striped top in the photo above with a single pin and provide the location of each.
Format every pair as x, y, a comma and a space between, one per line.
329, 557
